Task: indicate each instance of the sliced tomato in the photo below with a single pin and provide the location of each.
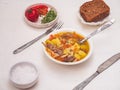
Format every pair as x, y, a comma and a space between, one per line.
42, 9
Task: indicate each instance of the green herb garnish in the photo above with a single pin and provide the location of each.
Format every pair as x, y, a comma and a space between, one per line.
50, 16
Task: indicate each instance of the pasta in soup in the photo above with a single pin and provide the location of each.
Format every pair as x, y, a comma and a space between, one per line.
65, 47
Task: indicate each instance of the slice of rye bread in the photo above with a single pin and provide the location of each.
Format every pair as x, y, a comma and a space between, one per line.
94, 11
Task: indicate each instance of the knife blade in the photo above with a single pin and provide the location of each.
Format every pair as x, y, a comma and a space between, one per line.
108, 63
100, 69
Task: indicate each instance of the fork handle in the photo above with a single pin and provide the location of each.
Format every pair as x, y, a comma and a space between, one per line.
55, 27
103, 27
28, 44
86, 82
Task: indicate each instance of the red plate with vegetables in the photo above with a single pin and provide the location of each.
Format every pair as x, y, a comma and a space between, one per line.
41, 15
64, 47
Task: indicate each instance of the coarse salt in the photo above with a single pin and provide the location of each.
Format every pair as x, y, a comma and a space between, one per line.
23, 74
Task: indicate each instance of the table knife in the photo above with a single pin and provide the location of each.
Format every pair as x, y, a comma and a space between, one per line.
100, 69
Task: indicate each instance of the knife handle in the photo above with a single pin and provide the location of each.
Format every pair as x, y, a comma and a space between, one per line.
86, 82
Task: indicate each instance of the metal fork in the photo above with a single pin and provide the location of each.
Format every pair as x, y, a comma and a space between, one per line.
55, 27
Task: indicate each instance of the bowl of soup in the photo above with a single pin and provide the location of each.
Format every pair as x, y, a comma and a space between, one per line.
63, 47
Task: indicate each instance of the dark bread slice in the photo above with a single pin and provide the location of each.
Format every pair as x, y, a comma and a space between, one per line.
94, 11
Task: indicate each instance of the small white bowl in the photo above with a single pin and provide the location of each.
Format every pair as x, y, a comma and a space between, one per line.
38, 24
24, 75
69, 63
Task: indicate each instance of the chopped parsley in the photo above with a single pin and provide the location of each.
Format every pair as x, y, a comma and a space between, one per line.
50, 16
